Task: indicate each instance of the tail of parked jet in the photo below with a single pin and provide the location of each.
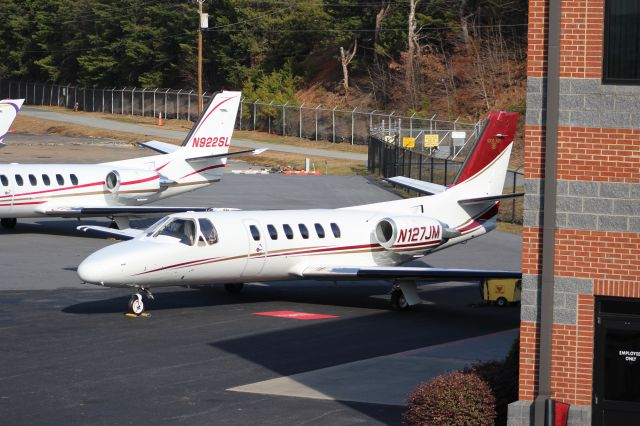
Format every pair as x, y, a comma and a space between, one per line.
8, 111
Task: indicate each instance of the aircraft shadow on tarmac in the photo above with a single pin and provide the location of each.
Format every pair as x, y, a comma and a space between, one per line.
367, 295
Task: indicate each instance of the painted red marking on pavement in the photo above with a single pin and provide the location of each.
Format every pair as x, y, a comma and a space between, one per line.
304, 316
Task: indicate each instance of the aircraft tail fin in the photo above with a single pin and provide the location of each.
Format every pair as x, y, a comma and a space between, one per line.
211, 135
8, 111
483, 173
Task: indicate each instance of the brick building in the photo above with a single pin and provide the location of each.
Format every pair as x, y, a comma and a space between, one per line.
580, 318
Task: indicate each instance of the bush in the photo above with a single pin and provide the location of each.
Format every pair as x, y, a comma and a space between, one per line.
502, 378
452, 399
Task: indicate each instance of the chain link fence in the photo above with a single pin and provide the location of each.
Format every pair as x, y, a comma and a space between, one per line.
312, 122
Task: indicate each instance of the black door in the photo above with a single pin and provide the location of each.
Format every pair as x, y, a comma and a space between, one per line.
616, 367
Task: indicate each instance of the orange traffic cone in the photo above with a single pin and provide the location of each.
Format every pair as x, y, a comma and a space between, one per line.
160, 120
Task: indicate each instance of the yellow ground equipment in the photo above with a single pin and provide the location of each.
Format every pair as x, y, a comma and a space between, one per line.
502, 291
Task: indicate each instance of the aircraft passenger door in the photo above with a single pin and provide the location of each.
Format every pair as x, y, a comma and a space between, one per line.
257, 249
7, 186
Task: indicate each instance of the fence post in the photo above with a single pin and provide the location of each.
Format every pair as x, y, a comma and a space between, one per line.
189, 106
411, 124
165, 103
270, 104
333, 123
316, 115
122, 101
284, 117
300, 121
353, 123
254, 113
154, 103
51, 96
66, 98
133, 91
371, 119
240, 123
143, 89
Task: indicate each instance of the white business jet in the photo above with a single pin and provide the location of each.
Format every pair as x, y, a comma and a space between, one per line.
361, 242
119, 189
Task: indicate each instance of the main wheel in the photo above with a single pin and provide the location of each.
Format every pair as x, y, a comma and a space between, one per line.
502, 302
9, 222
234, 288
136, 306
398, 301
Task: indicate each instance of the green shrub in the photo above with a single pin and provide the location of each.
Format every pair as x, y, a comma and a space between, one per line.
452, 399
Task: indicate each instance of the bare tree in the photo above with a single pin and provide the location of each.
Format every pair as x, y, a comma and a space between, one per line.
345, 59
413, 48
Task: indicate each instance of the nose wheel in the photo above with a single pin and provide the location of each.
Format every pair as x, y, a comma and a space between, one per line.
136, 304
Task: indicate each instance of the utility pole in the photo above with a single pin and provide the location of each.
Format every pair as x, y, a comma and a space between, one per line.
203, 22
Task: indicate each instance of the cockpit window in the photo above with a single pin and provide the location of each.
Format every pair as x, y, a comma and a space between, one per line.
151, 230
208, 231
183, 229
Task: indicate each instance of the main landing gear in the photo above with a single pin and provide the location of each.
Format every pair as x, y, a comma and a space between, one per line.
404, 294
9, 222
136, 305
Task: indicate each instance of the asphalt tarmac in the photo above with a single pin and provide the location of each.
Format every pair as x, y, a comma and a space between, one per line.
69, 355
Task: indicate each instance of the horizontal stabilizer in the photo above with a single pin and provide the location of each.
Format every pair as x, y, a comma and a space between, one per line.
405, 272
131, 211
417, 185
481, 200
103, 231
229, 154
161, 147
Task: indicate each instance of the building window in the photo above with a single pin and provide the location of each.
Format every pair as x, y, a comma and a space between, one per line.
621, 61
303, 231
273, 232
46, 180
319, 230
288, 231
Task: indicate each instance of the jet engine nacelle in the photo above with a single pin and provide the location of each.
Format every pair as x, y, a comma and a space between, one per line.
132, 183
409, 234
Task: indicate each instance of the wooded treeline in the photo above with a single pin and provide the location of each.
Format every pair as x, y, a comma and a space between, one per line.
416, 55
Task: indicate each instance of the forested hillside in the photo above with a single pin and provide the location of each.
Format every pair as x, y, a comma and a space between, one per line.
448, 57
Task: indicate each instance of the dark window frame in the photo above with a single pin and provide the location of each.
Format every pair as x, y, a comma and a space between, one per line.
619, 31
19, 180
74, 179
60, 179
46, 180
319, 230
32, 180
4, 180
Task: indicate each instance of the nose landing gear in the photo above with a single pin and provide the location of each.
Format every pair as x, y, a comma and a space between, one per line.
136, 305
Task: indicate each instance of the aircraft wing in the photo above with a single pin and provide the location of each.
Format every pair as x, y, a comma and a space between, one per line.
421, 186
136, 211
161, 147
404, 272
103, 231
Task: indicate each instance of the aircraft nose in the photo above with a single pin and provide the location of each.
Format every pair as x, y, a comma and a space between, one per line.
91, 270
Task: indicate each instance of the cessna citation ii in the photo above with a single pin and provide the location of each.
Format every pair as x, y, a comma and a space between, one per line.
361, 242
119, 189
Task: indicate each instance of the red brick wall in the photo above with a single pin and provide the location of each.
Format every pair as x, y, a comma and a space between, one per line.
537, 38
601, 155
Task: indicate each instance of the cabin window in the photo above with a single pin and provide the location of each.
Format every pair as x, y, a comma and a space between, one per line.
19, 180
183, 229
74, 179
303, 231
208, 231
60, 179
319, 230
254, 232
288, 231
33, 180
273, 232
46, 180
4, 180
336, 230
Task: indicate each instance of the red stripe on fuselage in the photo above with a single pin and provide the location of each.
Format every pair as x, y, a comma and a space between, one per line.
202, 170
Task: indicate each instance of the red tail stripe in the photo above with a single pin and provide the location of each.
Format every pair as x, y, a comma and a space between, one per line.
211, 112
